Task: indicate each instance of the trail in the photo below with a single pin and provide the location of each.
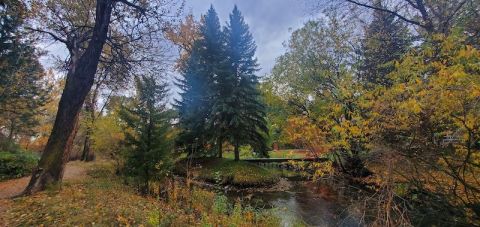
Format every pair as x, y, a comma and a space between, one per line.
11, 188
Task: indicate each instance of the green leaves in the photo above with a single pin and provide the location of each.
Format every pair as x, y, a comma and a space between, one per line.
17, 164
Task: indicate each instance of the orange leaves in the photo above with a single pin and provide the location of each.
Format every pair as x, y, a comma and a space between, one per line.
300, 131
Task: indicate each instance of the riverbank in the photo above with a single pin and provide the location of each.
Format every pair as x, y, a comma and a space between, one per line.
227, 172
101, 198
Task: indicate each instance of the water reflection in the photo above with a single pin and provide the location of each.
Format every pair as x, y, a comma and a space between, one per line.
312, 204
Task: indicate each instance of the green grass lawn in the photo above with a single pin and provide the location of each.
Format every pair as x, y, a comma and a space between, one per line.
229, 172
288, 153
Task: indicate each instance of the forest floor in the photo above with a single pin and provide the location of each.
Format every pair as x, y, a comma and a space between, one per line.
92, 194
13, 187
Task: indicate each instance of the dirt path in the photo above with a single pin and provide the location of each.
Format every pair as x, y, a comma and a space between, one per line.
10, 188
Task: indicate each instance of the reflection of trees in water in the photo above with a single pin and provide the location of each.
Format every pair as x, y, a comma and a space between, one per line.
322, 203
319, 204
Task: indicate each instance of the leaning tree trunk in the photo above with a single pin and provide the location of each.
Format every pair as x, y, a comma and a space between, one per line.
80, 79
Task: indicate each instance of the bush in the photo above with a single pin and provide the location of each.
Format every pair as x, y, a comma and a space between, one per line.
17, 164
8, 145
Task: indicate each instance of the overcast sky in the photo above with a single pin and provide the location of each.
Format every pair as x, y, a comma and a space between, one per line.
270, 22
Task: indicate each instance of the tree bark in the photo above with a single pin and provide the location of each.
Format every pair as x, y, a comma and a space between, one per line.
237, 152
220, 146
80, 79
11, 131
87, 153
71, 143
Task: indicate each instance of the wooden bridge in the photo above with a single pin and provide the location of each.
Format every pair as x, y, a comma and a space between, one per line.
280, 160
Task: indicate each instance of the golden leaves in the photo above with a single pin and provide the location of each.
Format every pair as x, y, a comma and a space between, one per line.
302, 132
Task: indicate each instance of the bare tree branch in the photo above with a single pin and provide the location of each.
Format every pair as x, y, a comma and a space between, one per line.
389, 11
55, 37
137, 7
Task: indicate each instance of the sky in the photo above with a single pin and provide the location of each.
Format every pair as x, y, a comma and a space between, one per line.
271, 22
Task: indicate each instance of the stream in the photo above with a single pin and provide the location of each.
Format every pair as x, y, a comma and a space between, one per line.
305, 202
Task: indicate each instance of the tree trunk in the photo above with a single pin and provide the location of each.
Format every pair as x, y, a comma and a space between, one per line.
87, 153
220, 146
11, 131
237, 152
80, 79
70, 143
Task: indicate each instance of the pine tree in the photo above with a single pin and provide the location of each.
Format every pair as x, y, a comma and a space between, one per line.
246, 112
386, 39
202, 68
148, 124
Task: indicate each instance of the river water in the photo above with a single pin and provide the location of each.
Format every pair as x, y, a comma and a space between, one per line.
305, 202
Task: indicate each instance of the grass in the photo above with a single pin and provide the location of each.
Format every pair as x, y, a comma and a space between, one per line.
102, 199
229, 172
288, 153
99, 200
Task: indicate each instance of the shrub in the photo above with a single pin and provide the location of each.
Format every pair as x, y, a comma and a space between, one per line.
17, 164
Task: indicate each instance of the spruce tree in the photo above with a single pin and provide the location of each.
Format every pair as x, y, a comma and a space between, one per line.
197, 85
386, 39
23, 88
246, 112
192, 107
148, 122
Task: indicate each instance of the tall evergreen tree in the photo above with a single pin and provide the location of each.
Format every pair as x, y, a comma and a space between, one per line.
23, 89
220, 101
149, 147
246, 112
202, 69
386, 39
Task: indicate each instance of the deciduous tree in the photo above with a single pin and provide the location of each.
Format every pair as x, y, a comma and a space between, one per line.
111, 23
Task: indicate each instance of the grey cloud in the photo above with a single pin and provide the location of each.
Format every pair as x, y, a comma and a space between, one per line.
269, 22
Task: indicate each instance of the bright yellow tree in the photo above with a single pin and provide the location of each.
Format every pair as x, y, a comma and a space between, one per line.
430, 116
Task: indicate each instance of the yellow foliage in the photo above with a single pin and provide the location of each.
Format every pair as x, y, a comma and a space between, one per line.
435, 94
303, 133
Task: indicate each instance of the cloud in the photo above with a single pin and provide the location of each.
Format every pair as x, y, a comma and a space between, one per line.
269, 22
